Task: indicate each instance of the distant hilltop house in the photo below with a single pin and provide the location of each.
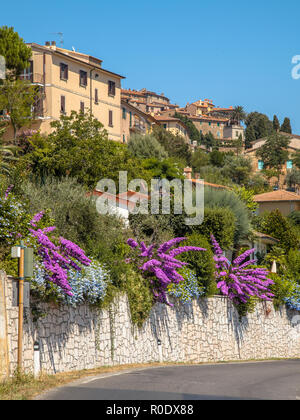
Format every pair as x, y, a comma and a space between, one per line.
135, 121
147, 101
258, 164
73, 81
209, 119
285, 201
69, 80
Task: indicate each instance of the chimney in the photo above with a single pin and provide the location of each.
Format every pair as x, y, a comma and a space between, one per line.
188, 173
53, 44
47, 43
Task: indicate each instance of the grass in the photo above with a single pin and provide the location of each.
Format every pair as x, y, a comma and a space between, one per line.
25, 387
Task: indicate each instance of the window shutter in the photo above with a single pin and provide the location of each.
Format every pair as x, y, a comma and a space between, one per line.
63, 104
110, 118
111, 88
96, 96
82, 107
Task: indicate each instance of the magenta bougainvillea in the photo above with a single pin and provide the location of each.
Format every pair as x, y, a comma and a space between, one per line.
58, 255
160, 265
237, 281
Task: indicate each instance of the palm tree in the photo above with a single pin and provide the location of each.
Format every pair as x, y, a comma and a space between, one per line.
238, 115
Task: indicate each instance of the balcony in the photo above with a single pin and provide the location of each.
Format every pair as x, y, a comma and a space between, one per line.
34, 78
138, 127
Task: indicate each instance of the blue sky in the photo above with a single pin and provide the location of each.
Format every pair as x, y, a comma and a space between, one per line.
234, 52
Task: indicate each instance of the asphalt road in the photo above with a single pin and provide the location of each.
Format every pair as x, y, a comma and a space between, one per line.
237, 381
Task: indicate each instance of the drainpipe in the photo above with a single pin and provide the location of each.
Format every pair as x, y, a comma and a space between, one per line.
91, 90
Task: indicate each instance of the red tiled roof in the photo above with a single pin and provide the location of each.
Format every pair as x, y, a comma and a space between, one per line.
279, 195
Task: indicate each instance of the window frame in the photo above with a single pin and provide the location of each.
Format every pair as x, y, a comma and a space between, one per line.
64, 71
111, 88
83, 77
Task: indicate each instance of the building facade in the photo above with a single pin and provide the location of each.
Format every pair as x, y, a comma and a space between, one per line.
134, 121
174, 125
72, 81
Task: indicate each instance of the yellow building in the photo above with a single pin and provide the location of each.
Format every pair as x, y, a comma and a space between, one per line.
200, 107
174, 125
286, 202
72, 81
134, 121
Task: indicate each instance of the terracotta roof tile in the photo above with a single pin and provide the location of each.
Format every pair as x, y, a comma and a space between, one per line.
280, 195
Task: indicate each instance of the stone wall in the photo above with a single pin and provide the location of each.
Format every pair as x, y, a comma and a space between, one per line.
208, 330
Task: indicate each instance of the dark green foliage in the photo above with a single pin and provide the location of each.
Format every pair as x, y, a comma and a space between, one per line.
250, 136
175, 146
286, 126
193, 132
293, 178
238, 115
158, 228
296, 159
261, 125
274, 152
145, 147
217, 158
201, 263
13, 48
209, 141
221, 223
238, 169
79, 148
295, 217
199, 159
140, 297
293, 264
214, 175
278, 226
163, 169
276, 124
282, 288
227, 200
76, 218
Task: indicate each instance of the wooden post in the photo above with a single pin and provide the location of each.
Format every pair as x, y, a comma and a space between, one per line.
21, 309
4, 361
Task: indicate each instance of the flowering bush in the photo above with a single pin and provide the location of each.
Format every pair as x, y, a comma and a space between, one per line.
59, 256
188, 289
293, 302
88, 285
237, 281
160, 265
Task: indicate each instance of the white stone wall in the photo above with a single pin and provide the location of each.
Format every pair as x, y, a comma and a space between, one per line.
206, 331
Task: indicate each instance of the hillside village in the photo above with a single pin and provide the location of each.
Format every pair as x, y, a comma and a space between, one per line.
66, 123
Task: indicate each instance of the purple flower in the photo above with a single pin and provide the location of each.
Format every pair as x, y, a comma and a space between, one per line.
161, 267
238, 282
37, 218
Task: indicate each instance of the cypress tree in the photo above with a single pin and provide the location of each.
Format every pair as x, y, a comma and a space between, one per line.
286, 126
276, 124
250, 136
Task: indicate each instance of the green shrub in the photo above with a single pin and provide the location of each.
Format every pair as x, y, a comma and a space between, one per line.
202, 263
221, 223
146, 146
293, 264
76, 218
224, 199
280, 227
140, 297
283, 288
